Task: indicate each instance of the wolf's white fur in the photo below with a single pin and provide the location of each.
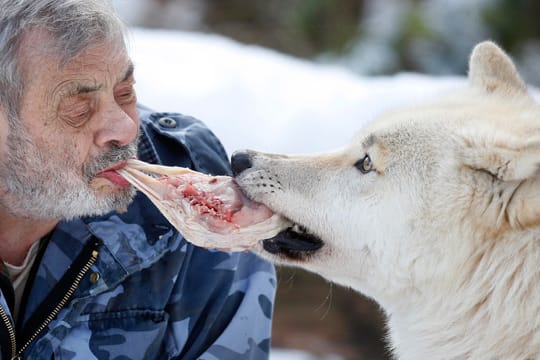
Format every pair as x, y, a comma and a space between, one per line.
445, 233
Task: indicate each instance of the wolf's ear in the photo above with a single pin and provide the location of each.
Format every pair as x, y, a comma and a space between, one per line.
515, 197
504, 156
491, 70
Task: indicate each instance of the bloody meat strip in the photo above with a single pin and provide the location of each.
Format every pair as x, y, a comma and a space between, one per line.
207, 203
209, 211
201, 195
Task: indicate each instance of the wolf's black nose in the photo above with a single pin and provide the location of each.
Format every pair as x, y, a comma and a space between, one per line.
240, 161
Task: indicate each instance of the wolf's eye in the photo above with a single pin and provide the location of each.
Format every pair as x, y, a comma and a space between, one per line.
364, 165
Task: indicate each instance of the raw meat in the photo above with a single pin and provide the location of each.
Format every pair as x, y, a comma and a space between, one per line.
209, 211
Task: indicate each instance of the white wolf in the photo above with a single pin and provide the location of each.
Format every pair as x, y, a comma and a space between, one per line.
433, 211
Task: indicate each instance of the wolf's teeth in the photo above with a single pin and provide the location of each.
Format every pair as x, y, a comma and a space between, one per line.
299, 229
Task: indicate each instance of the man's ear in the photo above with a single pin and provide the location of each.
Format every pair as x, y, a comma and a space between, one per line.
492, 71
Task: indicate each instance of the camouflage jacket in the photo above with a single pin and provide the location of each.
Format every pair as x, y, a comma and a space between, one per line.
128, 286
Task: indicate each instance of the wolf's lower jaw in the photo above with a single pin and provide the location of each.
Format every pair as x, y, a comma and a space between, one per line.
295, 243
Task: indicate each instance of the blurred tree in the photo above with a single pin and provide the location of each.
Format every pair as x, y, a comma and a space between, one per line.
513, 22
372, 37
299, 27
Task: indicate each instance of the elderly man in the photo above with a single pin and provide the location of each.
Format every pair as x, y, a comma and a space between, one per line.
89, 268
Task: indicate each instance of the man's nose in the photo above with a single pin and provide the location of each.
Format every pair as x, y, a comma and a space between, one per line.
117, 127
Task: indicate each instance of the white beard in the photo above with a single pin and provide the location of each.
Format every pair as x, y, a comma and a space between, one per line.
47, 184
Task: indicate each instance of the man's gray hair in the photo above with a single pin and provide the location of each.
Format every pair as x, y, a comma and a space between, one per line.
74, 25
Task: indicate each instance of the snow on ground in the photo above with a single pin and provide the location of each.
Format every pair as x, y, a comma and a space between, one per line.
253, 97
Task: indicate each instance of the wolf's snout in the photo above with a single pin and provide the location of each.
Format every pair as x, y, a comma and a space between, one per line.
240, 161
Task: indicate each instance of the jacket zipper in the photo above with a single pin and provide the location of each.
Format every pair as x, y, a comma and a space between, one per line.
16, 353
62, 302
11, 332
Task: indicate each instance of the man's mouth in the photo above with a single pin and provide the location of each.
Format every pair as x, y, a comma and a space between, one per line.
295, 243
111, 175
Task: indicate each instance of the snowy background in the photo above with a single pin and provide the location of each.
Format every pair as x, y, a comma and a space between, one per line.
253, 97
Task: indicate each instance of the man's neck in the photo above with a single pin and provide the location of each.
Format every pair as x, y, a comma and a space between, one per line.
18, 234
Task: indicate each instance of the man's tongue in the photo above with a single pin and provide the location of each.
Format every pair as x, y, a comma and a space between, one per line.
114, 177
111, 175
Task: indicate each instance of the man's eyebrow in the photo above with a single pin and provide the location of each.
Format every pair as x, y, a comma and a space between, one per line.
74, 88
129, 72
77, 89
85, 89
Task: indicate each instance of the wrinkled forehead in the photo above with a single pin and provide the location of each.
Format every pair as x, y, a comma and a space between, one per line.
43, 60
38, 45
